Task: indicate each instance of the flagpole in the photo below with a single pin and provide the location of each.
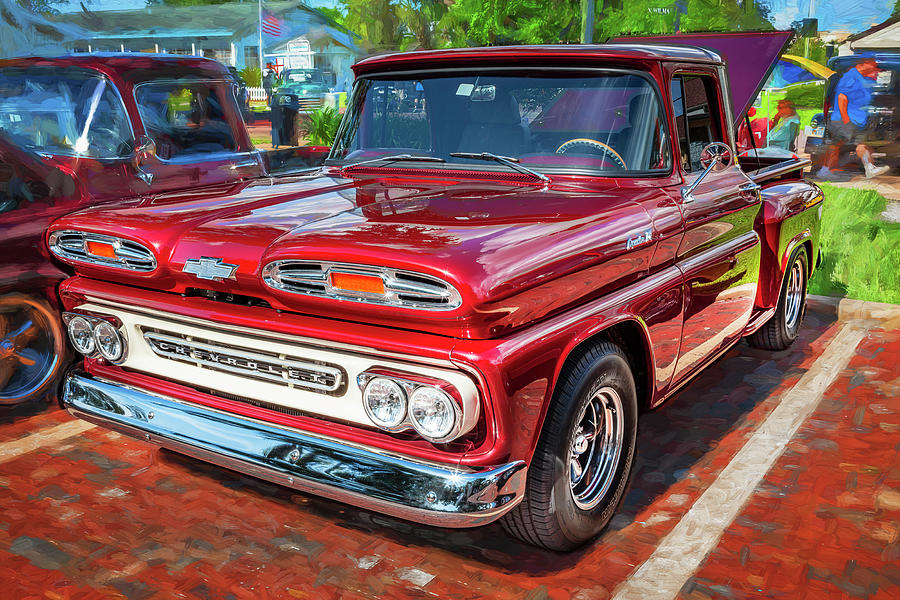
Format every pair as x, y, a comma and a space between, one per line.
260, 39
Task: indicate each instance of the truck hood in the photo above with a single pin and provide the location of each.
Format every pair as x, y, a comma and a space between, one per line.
514, 253
749, 58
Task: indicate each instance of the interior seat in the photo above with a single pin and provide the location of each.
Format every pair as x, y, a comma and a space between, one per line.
495, 127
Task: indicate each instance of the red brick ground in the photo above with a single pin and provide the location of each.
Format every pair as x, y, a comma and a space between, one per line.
101, 515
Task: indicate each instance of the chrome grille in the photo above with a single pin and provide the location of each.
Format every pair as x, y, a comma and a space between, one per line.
401, 288
309, 103
128, 255
286, 370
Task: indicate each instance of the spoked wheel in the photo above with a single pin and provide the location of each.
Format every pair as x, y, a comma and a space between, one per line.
31, 349
782, 329
596, 448
583, 458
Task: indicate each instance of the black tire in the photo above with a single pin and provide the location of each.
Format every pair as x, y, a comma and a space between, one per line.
33, 352
550, 516
782, 329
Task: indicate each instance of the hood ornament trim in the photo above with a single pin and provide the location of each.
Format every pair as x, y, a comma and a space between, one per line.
209, 267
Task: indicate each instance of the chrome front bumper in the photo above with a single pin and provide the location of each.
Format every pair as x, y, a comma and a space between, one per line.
417, 491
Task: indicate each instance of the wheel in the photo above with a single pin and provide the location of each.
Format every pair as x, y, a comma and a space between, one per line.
782, 329
32, 349
584, 455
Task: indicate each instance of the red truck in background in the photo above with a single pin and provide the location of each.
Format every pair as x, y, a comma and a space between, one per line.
92, 129
510, 253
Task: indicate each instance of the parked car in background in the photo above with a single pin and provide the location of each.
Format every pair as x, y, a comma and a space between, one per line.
300, 92
509, 254
882, 130
91, 129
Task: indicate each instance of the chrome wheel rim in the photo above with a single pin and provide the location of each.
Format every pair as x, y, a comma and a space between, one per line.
595, 448
794, 296
28, 356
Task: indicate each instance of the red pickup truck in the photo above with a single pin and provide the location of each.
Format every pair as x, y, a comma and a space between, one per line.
89, 129
510, 253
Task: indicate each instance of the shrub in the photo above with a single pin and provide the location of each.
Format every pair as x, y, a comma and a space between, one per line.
252, 75
320, 126
809, 95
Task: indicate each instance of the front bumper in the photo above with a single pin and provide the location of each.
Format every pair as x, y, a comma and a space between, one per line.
426, 493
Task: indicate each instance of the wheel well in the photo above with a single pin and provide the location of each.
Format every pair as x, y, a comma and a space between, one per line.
810, 259
629, 336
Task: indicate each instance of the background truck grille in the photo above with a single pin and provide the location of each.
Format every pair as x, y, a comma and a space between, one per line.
286, 370
401, 288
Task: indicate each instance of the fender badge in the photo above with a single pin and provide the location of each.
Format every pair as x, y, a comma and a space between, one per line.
207, 267
640, 239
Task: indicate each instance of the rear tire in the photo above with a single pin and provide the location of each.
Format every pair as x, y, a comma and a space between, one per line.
32, 349
577, 476
782, 329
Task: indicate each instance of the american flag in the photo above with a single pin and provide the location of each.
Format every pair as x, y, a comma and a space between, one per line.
271, 25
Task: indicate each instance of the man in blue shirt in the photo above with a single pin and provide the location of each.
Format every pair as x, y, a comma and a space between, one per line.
848, 117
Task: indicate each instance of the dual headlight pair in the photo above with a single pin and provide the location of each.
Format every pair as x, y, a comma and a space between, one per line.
92, 335
395, 403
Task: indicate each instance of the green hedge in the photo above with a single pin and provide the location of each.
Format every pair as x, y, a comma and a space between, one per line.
806, 95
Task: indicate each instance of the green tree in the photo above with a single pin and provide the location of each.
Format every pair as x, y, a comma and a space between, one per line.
375, 22
647, 17
496, 22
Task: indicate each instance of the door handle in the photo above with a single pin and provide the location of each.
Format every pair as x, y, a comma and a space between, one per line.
749, 190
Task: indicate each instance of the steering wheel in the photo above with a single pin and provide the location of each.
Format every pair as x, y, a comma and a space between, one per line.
593, 145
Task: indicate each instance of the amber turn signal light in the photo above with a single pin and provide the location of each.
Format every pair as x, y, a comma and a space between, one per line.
353, 282
101, 249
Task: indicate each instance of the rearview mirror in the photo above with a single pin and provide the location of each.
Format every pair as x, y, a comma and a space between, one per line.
144, 148
716, 154
714, 157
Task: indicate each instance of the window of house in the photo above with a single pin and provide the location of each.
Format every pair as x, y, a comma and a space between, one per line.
697, 116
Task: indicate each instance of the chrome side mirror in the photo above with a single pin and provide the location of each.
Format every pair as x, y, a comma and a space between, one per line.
144, 148
714, 157
717, 155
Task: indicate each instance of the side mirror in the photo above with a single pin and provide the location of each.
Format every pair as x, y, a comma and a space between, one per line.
715, 157
144, 148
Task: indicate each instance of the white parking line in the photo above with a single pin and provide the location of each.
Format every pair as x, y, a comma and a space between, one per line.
680, 553
44, 437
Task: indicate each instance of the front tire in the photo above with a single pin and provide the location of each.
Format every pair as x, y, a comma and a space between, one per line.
584, 455
783, 328
32, 349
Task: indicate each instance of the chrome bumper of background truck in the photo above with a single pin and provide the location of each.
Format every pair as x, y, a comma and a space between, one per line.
423, 492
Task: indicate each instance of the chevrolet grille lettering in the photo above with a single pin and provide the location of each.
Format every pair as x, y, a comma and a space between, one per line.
211, 268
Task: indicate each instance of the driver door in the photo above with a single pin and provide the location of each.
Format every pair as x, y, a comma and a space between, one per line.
720, 252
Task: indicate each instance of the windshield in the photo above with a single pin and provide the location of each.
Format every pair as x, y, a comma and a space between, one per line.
67, 111
301, 76
607, 123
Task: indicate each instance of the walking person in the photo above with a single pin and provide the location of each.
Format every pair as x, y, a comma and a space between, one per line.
269, 82
848, 117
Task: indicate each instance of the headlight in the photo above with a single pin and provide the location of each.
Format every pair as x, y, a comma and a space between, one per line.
82, 336
285, 100
385, 403
108, 340
432, 413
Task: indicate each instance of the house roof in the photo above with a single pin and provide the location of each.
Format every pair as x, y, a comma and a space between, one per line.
233, 19
882, 36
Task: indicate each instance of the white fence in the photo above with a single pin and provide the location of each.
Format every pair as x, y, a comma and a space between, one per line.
257, 94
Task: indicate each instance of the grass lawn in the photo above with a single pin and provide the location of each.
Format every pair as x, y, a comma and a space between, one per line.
860, 251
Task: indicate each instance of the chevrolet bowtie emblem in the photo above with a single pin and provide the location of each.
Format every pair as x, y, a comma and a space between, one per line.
207, 267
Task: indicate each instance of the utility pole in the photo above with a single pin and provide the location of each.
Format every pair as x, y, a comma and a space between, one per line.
259, 30
587, 21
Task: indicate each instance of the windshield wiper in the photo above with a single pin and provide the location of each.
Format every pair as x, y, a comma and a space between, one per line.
394, 158
503, 160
